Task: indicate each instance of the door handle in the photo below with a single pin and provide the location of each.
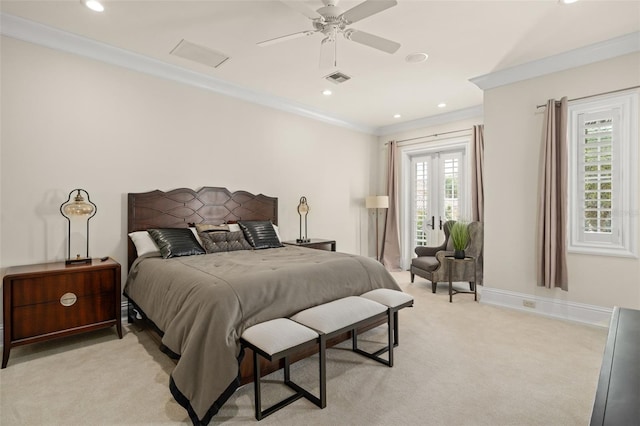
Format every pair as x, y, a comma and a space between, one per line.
441, 223
433, 219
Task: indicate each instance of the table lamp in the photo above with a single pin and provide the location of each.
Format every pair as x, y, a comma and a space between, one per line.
77, 208
303, 210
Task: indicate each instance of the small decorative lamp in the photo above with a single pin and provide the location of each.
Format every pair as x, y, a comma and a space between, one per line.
82, 208
303, 210
377, 202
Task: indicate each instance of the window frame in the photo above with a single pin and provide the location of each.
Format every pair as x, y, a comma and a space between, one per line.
623, 239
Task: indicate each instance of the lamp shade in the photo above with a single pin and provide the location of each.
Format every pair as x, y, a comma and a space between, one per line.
377, 202
79, 207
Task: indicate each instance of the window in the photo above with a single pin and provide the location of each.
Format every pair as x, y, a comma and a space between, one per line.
603, 180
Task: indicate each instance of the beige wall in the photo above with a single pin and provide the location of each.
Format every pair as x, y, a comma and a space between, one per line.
512, 160
71, 122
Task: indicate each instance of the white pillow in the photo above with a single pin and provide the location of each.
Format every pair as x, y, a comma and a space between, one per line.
195, 232
275, 228
144, 243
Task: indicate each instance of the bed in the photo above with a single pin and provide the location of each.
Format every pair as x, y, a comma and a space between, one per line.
201, 303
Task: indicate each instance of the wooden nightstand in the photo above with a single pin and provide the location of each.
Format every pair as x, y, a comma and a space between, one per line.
315, 243
46, 301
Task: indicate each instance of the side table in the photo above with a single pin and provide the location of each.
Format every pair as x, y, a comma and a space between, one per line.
315, 243
51, 300
450, 261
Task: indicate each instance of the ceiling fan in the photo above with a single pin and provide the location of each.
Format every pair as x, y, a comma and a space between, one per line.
330, 20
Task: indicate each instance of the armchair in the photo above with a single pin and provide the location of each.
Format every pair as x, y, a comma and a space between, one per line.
430, 261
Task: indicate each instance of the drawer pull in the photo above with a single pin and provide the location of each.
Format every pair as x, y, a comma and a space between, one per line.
68, 299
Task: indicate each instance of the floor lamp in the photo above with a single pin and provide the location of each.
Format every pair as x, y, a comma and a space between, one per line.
377, 202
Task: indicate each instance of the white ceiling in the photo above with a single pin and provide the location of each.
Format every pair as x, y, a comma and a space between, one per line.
464, 39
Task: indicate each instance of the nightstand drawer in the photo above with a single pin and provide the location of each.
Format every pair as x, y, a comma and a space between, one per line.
43, 318
35, 290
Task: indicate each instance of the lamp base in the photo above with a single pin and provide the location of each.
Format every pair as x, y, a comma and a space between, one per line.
302, 240
78, 261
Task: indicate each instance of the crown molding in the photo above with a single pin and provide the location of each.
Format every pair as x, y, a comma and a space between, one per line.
32, 32
586, 55
434, 120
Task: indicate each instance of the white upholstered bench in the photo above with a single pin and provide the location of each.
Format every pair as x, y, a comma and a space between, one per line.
340, 316
394, 300
276, 339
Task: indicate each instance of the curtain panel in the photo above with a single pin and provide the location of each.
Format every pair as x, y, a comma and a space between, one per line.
552, 202
477, 173
390, 254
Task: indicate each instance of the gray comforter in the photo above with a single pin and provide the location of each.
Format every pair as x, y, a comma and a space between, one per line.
204, 303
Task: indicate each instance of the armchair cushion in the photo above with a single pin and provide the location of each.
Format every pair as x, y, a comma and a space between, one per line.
426, 263
428, 251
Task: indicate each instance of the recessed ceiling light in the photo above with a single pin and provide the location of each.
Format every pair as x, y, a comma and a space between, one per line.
415, 58
442, 105
568, 1
326, 92
396, 116
94, 5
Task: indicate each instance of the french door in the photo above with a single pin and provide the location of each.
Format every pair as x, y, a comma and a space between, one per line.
437, 194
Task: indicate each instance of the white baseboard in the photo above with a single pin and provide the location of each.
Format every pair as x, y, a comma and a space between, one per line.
555, 308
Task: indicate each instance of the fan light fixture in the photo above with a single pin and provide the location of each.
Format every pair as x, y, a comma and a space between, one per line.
77, 208
331, 20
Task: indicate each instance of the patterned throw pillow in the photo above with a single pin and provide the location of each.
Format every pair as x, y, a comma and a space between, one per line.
204, 227
215, 242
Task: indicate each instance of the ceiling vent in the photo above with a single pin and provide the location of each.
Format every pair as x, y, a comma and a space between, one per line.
337, 77
203, 55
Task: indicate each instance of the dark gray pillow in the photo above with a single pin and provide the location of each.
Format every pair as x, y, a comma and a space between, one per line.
218, 241
260, 233
174, 242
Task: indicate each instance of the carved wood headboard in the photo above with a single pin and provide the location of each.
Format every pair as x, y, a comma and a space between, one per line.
179, 207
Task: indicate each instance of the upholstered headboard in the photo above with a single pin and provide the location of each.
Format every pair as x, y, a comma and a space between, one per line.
179, 207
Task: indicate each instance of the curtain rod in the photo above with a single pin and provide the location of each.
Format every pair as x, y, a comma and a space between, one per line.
431, 136
597, 94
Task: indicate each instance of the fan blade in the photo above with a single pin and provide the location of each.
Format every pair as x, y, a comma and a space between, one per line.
302, 8
372, 41
328, 53
285, 38
366, 9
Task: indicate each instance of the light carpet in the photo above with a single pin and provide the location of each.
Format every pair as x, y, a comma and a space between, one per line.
460, 363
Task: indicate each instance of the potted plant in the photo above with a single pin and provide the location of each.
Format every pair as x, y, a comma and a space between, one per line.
459, 234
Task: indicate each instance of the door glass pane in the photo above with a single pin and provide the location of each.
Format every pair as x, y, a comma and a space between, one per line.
421, 202
451, 180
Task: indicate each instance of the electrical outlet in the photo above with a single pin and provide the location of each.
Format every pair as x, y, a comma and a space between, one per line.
529, 304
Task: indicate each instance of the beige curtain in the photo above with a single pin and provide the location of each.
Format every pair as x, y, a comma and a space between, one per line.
390, 253
477, 173
552, 206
